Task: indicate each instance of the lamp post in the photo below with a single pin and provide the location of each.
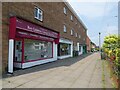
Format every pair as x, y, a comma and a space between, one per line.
99, 43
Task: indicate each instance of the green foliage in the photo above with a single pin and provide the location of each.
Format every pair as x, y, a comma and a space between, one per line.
111, 47
117, 61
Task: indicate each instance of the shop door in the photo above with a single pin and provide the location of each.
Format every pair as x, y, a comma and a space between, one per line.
18, 51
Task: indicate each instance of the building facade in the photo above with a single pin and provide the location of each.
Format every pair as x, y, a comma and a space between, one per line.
93, 47
88, 42
37, 33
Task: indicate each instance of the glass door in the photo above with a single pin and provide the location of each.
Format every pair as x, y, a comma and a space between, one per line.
18, 51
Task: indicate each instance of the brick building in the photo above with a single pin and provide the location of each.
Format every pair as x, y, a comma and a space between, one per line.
36, 33
88, 43
93, 46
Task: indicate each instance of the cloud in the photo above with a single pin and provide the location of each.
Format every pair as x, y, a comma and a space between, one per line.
95, 39
110, 30
96, 14
105, 32
92, 10
93, 0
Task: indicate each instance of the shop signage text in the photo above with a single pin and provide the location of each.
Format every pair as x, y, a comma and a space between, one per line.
27, 26
30, 35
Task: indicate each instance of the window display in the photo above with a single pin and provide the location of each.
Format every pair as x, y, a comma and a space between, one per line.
18, 51
35, 49
64, 49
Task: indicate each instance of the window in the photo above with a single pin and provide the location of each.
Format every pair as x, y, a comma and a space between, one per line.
84, 39
65, 30
71, 18
38, 46
36, 49
38, 14
18, 49
65, 10
76, 35
79, 48
71, 32
79, 36
64, 49
76, 23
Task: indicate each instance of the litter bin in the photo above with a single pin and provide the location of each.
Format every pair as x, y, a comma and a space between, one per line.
102, 56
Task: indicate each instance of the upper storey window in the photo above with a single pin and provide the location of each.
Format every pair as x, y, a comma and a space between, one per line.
38, 13
71, 18
64, 28
65, 10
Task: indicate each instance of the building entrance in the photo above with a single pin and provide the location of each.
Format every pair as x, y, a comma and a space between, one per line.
18, 51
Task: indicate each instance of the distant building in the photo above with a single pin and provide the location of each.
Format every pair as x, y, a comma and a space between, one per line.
88, 43
93, 47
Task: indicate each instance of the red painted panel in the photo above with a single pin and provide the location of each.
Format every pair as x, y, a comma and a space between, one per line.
30, 30
57, 40
27, 26
32, 36
12, 28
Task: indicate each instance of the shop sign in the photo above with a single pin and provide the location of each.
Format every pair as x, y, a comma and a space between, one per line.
22, 28
30, 35
27, 26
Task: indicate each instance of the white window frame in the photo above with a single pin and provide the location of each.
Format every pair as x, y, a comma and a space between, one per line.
71, 31
65, 10
71, 18
76, 23
76, 34
79, 36
39, 14
64, 28
84, 39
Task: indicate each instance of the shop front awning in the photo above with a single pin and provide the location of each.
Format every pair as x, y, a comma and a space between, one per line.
25, 29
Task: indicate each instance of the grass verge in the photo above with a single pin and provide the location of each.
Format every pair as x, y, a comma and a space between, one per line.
103, 76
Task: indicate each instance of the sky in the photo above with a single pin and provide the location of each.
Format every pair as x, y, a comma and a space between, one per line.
98, 16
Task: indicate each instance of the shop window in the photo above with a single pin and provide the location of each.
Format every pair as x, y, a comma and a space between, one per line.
65, 30
38, 46
35, 49
65, 10
64, 49
38, 14
18, 51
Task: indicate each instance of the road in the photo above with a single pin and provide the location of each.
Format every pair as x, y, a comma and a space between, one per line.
86, 71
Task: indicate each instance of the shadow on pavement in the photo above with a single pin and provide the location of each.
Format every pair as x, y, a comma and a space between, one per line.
54, 64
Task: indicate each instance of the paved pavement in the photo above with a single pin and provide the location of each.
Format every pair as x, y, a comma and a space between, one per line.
79, 72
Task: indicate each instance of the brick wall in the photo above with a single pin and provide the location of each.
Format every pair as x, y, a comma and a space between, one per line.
88, 42
0, 39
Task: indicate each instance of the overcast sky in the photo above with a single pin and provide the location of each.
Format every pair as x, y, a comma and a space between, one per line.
98, 16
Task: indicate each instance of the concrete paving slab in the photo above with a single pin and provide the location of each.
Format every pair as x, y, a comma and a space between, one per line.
68, 73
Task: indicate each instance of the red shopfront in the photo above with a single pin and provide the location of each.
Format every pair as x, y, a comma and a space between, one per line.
30, 44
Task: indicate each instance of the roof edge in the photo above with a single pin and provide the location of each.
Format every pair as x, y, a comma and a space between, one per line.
73, 11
